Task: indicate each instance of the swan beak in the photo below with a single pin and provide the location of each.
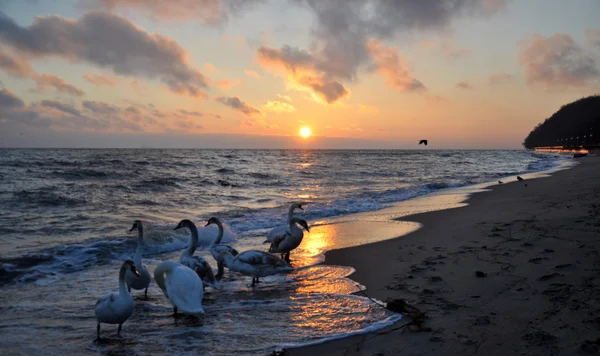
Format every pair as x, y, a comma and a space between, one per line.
307, 229
300, 207
206, 224
133, 228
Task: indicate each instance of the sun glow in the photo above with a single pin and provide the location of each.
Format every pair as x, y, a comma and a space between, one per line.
305, 132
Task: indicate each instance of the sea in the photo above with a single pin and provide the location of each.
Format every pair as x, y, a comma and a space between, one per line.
65, 216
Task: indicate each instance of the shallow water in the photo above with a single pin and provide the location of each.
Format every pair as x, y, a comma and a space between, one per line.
64, 216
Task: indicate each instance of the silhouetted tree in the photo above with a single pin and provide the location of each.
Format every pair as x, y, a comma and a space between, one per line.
575, 124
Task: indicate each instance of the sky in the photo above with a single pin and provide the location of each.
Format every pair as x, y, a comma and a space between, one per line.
253, 73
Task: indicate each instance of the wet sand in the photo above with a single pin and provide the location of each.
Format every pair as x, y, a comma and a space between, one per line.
536, 241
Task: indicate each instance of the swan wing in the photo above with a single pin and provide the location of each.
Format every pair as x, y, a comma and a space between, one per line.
260, 258
202, 268
138, 282
225, 248
185, 290
277, 232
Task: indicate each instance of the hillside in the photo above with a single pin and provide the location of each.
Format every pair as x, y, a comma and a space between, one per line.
575, 124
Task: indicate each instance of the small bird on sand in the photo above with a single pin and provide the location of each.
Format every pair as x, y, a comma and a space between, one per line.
500, 182
519, 178
423, 142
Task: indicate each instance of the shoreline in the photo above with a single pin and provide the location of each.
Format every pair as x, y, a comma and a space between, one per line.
500, 231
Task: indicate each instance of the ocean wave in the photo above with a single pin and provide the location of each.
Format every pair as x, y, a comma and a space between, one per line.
46, 198
81, 174
225, 171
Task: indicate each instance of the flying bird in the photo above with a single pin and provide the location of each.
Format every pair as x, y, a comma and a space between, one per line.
519, 178
423, 141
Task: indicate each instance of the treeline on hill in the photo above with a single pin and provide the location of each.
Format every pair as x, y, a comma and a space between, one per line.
575, 124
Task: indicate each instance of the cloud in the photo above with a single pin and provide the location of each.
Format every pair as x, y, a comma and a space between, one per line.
557, 61
252, 73
45, 81
210, 68
278, 106
343, 28
368, 109
66, 108
285, 98
8, 100
191, 113
20, 68
464, 85
17, 67
108, 41
391, 64
235, 103
593, 37
499, 78
100, 80
301, 69
96, 116
210, 12
228, 84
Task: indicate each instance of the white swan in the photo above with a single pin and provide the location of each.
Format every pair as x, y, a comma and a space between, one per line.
116, 308
196, 263
291, 240
142, 280
255, 264
182, 286
280, 231
216, 248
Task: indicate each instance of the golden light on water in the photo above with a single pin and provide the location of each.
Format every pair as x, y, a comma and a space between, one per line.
305, 132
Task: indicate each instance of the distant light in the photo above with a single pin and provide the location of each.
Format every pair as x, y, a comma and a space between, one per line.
305, 132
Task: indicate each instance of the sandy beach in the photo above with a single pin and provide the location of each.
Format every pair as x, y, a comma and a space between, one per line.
537, 243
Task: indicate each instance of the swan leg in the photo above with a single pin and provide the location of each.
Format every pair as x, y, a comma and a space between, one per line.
174, 311
146, 293
220, 272
98, 331
253, 281
287, 257
119, 329
129, 289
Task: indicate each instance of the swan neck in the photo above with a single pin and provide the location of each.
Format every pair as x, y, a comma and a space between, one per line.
138, 255
122, 286
291, 213
138, 250
194, 243
220, 235
159, 276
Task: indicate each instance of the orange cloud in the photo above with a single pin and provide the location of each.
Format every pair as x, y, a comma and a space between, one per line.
368, 109
278, 106
17, 67
228, 84
301, 70
100, 80
392, 65
210, 68
20, 68
252, 73
285, 98
45, 81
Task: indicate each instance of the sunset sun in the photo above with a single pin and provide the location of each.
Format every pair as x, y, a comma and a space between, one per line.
305, 132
